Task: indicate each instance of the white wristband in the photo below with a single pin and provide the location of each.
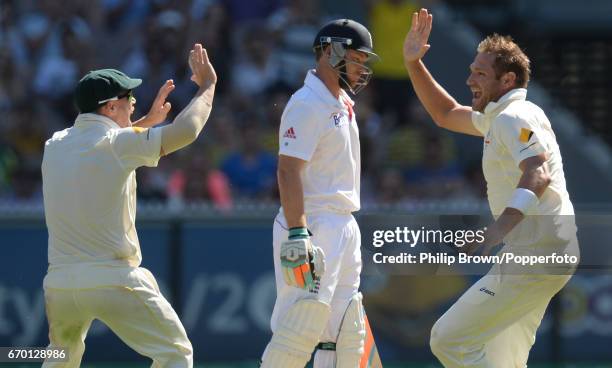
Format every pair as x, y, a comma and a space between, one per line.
524, 200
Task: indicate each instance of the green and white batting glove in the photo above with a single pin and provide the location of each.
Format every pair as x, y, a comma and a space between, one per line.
302, 262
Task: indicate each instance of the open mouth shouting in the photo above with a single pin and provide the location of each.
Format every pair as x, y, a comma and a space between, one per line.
476, 96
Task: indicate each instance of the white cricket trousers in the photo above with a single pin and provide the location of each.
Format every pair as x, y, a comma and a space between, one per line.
339, 236
494, 323
127, 300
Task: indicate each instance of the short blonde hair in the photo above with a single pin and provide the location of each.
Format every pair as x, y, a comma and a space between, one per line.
508, 58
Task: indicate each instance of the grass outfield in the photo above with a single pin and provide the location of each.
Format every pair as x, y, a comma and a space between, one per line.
254, 364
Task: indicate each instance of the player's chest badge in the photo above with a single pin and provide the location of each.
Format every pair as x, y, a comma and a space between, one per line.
338, 119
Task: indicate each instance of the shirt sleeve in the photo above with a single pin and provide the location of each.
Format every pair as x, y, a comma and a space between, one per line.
135, 146
522, 138
478, 120
299, 131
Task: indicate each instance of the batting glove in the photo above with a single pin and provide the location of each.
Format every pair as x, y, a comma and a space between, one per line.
302, 262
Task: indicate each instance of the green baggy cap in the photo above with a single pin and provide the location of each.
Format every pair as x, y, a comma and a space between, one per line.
100, 85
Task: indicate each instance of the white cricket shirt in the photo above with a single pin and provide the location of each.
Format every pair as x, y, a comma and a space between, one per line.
89, 188
515, 129
321, 129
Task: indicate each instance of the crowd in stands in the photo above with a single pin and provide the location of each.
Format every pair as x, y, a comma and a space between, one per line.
261, 50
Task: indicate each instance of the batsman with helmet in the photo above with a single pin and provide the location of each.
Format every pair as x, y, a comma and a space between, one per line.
317, 257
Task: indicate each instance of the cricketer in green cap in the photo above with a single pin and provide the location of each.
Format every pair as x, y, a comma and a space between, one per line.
108, 92
89, 195
100, 86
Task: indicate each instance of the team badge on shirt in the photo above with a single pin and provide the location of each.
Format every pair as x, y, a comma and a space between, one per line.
525, 135
336, 117
142, 130
339, 119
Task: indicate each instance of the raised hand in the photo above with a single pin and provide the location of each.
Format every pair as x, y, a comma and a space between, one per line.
203, 73
415, 43
160, 107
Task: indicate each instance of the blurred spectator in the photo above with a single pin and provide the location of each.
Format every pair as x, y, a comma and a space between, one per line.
8, 166
257, 70
28, 40
390, 21
64, 48
26, 184
252, 171
391, 187
199, 181
159, 57
370, 129
356, 10
221, 135
214, 32
274, 103
437, 175
13, 85
119, 14
405, 144
67, 57
58, 11
27, 134
7, 15
241, 11
295, 27
404, 147
153, 183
